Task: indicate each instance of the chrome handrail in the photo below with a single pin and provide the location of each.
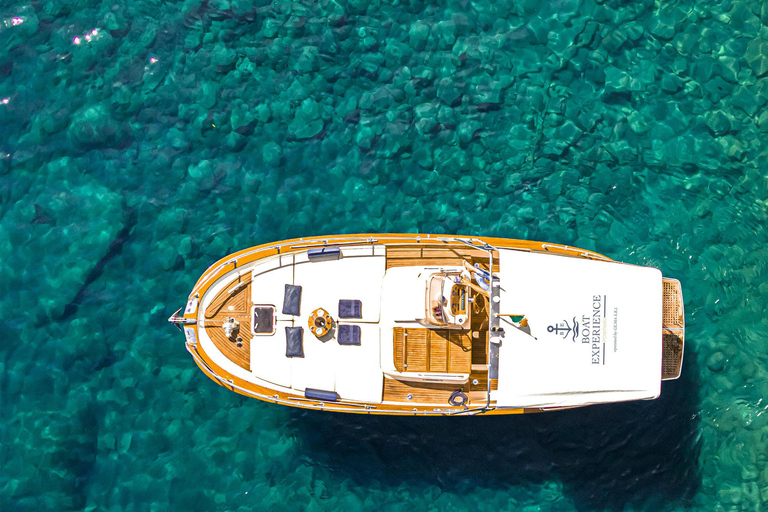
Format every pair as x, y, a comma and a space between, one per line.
333, 244
583, 252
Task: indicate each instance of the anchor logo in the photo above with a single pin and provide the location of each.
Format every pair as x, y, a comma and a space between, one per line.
564, 329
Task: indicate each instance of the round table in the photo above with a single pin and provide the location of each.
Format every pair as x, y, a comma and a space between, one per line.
320, 322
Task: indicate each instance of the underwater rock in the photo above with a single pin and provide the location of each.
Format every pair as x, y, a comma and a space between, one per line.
467, 131
448, 91
744, 99
272, 153
718, 123
367, 132
465, 184
223, 58
94, 128
756, 56
567, 9
487, 91
637, 123
42, 216
762, 121
671, 83
306, 123
201, 169
732, 147
235, 142
418, 34
446, 33
422, 155
717, 88
728, 68
426, 117
538, 29
616, 79
661, 29
716, 362
308, 60
240, 118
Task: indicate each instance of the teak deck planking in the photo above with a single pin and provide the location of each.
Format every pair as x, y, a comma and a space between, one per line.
421, 392
437, 255
418, 358
237, 305
432, 350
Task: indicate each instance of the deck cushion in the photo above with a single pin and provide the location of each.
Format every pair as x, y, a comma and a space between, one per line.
294, 342
324, 253
321, 394
349, 334
350, 308
292, 300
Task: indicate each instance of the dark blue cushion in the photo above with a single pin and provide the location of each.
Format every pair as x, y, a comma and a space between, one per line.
349, 334
321, 394
324, 253
350, 309
292, 300
294, 342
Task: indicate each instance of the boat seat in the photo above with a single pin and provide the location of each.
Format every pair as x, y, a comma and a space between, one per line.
294, 342
350, 308
348, 334
292, 300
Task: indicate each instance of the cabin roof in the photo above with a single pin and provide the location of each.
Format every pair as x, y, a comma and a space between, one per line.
593, 333
352, 371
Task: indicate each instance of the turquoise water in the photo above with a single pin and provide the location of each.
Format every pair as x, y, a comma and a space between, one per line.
141, 141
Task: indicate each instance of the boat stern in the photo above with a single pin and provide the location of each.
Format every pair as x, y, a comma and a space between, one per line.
673, 330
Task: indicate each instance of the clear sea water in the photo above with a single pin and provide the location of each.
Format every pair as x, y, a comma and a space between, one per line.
140, 141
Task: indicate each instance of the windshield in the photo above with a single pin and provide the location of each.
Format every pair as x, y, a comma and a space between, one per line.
447, 300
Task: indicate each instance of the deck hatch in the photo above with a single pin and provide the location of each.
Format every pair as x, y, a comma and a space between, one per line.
263, 320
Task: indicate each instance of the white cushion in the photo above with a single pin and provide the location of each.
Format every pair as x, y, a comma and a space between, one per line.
268, 287
358, 371
268, 361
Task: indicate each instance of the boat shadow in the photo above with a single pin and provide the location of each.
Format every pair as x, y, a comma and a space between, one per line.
605, 457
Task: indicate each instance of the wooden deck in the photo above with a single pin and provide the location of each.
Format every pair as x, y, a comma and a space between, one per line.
396, 391
421, 392
441, 350
432, 350
234, 301
437, 255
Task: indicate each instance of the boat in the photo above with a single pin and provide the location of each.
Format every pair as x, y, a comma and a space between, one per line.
419, 324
